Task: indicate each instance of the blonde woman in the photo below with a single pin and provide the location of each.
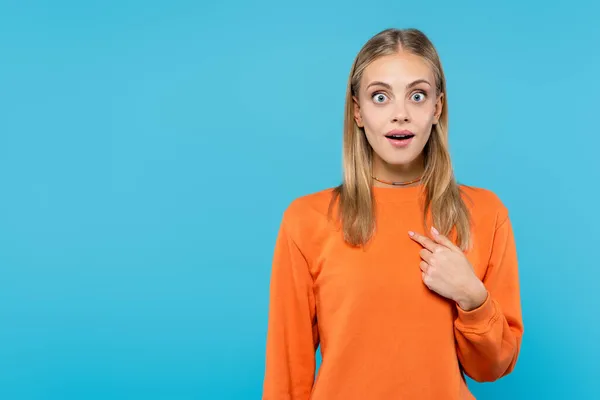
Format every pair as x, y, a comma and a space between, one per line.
406, 279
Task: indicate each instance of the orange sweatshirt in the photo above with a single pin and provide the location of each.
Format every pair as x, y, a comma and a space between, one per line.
383, 333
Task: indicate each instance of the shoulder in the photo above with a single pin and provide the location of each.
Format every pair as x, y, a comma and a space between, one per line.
306, 216
484, 203
308, 206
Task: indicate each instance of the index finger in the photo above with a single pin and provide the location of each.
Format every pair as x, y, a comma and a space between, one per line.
423, 241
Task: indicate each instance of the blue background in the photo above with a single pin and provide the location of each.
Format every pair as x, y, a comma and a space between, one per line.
148, 149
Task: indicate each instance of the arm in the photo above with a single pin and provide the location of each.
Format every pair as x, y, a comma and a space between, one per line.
292, 334
488, 338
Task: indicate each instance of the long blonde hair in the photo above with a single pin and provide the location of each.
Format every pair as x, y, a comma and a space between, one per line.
356, 207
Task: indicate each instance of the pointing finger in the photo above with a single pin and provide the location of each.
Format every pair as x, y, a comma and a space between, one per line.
423, 241
443, 240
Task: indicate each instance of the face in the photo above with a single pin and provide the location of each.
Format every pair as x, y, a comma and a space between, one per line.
397, 96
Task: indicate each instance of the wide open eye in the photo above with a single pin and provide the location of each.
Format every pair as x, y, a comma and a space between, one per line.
419, 97
379, 97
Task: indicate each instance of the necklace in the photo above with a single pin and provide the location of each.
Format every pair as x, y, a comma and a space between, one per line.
397, 183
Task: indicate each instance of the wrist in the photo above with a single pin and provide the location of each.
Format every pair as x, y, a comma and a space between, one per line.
473, 296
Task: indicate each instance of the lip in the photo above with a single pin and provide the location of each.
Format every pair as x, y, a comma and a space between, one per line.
400, 132
400, 143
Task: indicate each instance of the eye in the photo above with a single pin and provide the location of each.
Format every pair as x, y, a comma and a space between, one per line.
418, 97
379, 97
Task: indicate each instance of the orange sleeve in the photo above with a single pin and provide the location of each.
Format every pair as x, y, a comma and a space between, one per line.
489, 337
292, 334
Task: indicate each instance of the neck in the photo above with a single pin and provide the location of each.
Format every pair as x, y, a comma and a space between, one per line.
401, 174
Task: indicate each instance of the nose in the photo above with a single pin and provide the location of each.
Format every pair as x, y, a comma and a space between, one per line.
400, 113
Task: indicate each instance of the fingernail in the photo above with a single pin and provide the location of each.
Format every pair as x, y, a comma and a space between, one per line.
435, 231
411, 233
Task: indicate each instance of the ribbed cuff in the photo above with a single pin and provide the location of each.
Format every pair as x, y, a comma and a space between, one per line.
478, 319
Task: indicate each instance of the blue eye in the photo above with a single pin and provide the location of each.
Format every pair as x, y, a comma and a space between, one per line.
379, 97
418, 97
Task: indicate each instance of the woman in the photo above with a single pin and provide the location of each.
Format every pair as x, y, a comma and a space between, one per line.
406, 279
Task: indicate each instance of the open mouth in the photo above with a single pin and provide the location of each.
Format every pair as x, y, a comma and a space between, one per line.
400, 140
400, 137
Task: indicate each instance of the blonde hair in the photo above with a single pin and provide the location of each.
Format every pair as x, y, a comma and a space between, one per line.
356, 207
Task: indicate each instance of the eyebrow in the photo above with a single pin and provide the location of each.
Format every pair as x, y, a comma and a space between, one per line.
388, 86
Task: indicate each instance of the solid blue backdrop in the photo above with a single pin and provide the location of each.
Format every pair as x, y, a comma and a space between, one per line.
148, 149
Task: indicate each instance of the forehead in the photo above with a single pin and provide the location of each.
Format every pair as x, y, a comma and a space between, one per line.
398, 70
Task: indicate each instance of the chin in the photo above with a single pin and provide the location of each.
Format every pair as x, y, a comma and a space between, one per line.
398, 163
396, 159
398, 156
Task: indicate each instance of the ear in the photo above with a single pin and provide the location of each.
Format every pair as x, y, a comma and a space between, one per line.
438, 109
357, 116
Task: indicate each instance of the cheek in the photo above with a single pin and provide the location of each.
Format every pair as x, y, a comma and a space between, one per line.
423, 115
375, 119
